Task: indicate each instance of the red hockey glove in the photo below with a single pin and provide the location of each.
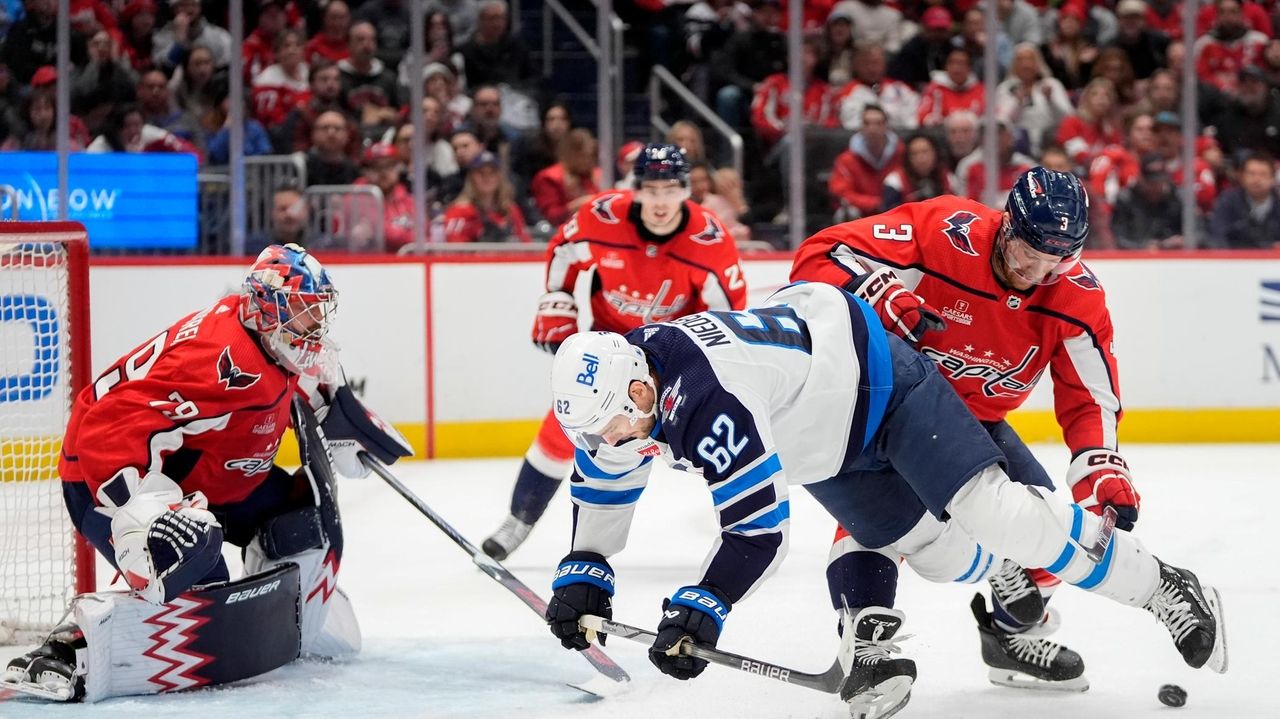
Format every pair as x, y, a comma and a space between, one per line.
557, 318
902, 311
1100, 478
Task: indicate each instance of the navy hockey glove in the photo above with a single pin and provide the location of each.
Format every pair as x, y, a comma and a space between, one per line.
1100, 478
902, 311
694, 613
583, 585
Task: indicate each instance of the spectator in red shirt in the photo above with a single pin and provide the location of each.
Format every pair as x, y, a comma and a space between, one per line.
1165, 16
331, 42
1093, 127
561, 189
857, 179
922, 176
283, 85
1229, 47
138, 24
1116, 167
485, 210
382, 169
1169, 146
258, 48
1253, 13
771, 104
952, 89
1012, 165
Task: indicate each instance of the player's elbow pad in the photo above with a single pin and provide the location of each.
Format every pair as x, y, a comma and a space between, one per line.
351, 428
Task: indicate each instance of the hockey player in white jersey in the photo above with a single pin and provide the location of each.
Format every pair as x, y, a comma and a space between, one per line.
808, 389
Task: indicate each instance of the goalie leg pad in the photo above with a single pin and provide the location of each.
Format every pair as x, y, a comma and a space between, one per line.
211, 635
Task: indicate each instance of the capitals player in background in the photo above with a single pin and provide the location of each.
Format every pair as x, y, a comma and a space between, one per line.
168, 455
810, 390
994, 298
647, 254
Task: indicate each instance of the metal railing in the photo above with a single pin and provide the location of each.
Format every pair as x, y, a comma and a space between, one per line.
347, 218
609, 59
661, 76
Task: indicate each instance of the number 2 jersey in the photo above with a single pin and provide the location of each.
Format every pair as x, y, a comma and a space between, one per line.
998, 341
637, 277
200, 402
787, 393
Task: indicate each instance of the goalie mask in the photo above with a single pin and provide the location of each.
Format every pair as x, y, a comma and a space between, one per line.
290, 301
590, 381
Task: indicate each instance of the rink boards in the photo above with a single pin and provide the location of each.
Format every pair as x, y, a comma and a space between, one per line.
441, 347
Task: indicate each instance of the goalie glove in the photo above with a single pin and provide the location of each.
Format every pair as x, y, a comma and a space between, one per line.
901, 311
556, 319
351, 428
1099, 478
164, 542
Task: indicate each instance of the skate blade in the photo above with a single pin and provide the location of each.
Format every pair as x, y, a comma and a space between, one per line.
1018, 680
1218, 658
882, 701
601, 687
60, 693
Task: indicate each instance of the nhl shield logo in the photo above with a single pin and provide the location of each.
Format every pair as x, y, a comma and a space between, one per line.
1014, 302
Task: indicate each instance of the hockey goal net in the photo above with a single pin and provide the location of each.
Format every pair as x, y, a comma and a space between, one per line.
44, 361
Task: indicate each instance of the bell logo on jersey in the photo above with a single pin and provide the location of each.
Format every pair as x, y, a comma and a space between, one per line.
957, 231
588, 375
231, 376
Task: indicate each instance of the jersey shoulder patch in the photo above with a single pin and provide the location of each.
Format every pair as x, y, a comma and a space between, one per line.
957, 227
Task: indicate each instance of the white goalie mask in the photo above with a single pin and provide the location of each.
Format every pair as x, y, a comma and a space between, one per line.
590, 381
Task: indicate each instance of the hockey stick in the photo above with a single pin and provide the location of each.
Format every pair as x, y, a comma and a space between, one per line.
828, 681
499, 573
1097, 549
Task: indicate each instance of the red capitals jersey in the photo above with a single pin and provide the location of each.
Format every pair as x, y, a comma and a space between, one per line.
639, 278
199, 402
998, 341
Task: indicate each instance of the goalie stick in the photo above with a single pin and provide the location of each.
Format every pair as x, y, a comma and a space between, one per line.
501, 575
828, 681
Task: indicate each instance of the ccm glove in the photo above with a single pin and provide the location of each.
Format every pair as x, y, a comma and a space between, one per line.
1100, 478
693, 613
557, 318
901, 311
583, 585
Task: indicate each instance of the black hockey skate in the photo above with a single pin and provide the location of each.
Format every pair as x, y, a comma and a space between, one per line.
1193, 616
878, 685
1026, 660
49, 670
1015, 590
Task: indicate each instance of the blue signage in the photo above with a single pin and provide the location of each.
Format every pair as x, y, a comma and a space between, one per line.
125, 200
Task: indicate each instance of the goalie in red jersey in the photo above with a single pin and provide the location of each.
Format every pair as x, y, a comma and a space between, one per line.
169, 454
994, 298
644, 255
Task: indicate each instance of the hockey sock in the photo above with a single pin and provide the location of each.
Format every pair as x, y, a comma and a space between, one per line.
532, 493
861, 578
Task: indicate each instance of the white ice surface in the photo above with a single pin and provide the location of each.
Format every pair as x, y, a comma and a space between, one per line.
444, 640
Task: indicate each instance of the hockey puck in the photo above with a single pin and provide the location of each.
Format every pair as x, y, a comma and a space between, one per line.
1172, 695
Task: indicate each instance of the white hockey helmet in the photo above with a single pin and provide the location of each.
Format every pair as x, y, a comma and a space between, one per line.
590, 381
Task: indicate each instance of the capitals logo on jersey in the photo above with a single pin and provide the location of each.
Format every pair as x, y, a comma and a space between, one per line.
231, 376
957, 231
1085, 280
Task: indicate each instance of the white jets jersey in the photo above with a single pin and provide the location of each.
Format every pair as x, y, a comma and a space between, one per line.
787, 393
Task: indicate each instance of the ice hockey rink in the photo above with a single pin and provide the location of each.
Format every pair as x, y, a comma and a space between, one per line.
441, 639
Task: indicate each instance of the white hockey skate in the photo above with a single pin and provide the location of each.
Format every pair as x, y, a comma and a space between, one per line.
507, 538
877, 685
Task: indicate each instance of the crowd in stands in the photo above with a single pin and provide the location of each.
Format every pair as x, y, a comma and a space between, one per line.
895, 88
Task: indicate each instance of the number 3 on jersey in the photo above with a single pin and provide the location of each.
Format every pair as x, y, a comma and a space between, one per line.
901, 233
722, 446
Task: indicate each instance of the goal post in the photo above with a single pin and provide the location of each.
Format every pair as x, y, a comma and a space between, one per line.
44, 362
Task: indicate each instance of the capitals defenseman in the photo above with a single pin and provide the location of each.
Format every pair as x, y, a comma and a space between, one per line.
647, 254
809, 389
1014, 301
169, 454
